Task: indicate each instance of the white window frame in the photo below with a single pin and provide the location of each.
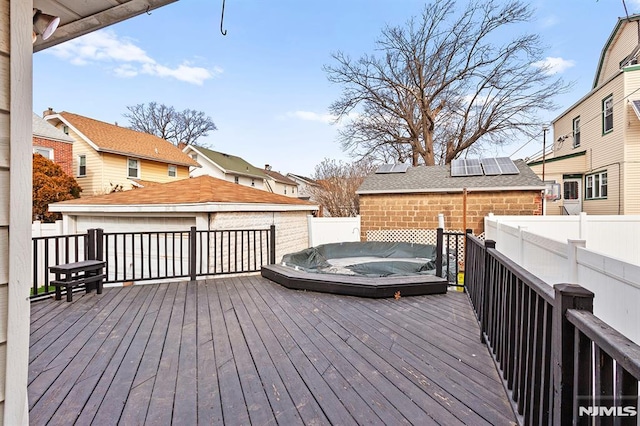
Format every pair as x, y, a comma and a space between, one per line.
137, 168
607, 111
236, 180
49, 151
596, 186
253, 182
171, 168
80, 165
576, 132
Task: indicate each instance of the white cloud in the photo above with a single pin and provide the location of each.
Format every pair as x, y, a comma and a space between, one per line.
551, 65
312, 116
106, 46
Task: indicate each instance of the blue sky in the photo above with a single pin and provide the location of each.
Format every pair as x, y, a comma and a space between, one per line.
263, 83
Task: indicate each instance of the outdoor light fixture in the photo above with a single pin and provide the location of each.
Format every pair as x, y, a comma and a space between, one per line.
44, 24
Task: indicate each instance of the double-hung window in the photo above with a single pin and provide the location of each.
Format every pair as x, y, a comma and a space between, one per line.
173, 171
607, 114
133, 168
596, 186
82, 165
45, 152
576, 132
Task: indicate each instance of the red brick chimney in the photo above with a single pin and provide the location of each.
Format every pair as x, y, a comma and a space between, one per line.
49, 111
181, 145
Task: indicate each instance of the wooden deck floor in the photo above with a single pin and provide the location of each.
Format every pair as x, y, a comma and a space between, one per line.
248, 351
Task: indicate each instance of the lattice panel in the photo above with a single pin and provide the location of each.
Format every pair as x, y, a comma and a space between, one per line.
417, 236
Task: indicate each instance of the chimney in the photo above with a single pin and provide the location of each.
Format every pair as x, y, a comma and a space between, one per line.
49, 111
181, 145
267, 167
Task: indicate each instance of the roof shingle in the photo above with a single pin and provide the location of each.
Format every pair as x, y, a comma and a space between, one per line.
231, 163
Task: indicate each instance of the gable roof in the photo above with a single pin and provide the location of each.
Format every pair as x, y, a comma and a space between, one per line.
106, 137
610, 40
427, 179
302, 179
195, 193
228, 163
44, 130
280, 178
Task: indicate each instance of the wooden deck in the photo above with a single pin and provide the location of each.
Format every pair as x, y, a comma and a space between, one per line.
248, 351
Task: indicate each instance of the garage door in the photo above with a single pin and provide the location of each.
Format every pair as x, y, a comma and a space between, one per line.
134, 224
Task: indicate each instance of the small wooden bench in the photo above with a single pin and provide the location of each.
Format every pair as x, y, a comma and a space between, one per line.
69, 275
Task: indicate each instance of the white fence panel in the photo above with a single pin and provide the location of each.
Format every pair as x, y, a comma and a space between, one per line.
39, 229
324, 230
545, 258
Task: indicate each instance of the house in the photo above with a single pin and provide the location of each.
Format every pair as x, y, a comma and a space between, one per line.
412, 198
108, 157
305, 185
280, 184
16, 111
205, 202
52, 143
225, 166
596, 154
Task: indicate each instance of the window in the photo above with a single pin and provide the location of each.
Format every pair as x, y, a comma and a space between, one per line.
253, 182
236, 179
285, 190
194, 156
82, 165
133, 168
65, 129
45, 152
596, 186
173, 171
607, 114
571, 190
576, 132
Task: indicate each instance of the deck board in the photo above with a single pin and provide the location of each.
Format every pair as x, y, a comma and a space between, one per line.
241, 350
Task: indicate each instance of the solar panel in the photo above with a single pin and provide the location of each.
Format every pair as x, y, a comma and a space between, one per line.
458, 168
400, 168
490, 166
507, 166
385, 168
473, 167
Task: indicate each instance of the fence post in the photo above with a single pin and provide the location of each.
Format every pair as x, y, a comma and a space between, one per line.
484, 320
467, 232
567, 296
439, 247
272, 244
192, 253
100, 244
90, 245
572, 258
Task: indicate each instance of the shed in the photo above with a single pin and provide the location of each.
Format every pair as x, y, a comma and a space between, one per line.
205, 202
412, 197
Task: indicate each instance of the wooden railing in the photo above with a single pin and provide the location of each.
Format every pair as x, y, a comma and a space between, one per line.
542, 339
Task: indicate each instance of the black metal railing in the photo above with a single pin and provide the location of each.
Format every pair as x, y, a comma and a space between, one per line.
542, 339
143, 256
449, 255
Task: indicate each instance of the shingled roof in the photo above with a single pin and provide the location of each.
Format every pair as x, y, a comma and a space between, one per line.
426, 179
194, 191
44, 130
278, 177
106, 137
229, 163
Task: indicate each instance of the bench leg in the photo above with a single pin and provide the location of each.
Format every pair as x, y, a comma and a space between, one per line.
58, 293
99, 287
69, 294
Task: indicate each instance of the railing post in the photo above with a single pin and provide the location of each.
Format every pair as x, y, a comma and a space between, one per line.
192, 253
439, 247
99, 244
272, 244
567, 296
90, 245
484, 320
467, 232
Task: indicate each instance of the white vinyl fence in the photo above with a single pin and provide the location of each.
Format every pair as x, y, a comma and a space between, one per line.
561, 259
324, 230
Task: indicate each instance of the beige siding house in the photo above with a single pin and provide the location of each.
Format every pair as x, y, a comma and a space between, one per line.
596, 152
16, 86
107, 157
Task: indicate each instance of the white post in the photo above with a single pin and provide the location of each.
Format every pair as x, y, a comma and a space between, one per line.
36, 229
521, 230
584, 226
572, 258
59, 228
441, 220
310, 229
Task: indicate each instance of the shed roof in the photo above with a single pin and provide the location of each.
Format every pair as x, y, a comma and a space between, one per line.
425, 179
106, 137
196, 191
44, 130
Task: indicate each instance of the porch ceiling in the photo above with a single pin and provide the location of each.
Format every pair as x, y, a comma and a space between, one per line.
79, 17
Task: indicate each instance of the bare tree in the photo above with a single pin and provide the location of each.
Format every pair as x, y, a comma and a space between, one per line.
165, 122
441, 84
337, 186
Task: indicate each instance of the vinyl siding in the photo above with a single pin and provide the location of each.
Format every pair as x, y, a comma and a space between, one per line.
625, 41
631, 166
115, 171
555, 170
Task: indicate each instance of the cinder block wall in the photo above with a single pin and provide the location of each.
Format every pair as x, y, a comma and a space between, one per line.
420, 211
62, 153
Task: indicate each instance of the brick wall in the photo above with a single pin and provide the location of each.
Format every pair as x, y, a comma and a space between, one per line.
420, 211
62, 153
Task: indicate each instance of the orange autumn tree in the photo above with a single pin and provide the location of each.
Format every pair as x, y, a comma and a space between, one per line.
50, 185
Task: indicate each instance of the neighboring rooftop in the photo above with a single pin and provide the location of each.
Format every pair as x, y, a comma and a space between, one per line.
280, 177
304, 179
44, 130
229, 163
439, 179
198, 190
106, 137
